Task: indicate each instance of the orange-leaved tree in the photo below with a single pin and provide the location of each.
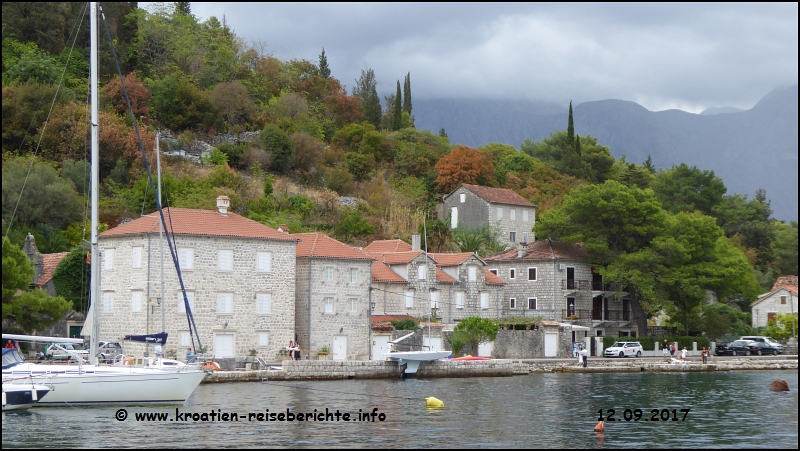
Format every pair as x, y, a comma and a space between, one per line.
464, 165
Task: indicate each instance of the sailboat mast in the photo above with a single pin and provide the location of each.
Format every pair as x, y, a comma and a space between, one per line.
160, 232
95, 251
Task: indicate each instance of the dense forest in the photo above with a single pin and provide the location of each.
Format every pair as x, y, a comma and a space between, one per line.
349, 164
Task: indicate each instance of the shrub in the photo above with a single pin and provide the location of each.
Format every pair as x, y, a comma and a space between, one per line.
405, 324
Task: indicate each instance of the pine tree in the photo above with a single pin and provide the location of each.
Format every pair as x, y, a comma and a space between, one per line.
397, 114
442, 133
648, 164
570, 127
407, 94
324, 70
184, 8
368, 101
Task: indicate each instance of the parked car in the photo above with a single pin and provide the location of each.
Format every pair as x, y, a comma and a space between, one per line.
738, 347
770, 341
108, 351
65, 351
624, 349
761, 348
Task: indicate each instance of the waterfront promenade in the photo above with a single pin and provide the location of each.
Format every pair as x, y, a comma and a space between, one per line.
377, 369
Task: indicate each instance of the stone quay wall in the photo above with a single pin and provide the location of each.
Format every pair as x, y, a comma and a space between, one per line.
640, 365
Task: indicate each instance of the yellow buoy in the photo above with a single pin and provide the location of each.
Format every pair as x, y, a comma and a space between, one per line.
433, 402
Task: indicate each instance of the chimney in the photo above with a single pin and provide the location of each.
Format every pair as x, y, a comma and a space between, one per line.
283, 228
223, 203
415, 242
522, 249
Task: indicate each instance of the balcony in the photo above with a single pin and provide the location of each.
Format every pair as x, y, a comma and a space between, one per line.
576, 285
600, 286
530, 313
611, 315
576, 315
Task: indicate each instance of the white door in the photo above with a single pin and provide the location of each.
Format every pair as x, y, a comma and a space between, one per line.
551, 345
223, 345
339, 347
485, 349
432, 343
380, 346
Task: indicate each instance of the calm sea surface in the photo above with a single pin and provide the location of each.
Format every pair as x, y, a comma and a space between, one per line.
727, 409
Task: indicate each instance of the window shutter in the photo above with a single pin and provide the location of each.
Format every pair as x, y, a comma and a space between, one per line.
264, 262
136, 301
484, 301
226, 260
136, 256
409, 299
263, 303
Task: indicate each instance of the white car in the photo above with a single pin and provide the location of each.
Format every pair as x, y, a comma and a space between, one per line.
624, 349
65, 351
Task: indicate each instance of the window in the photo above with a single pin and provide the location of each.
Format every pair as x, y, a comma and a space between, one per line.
499, 213
783, 300
108, 302
186, 339
225, 304
186, 258
136, 301
512, 214
422, 272
473, 273
329, 306
454, 217
512, 303
434, 299
136, 257
353, 275
484, 301
531, 303
512, 273
524, 237
409, 299
263, 303
459, 300
225, 258
182, 305
108, 259
598, 333
329, 274
463, 197
493, 271
524, 215
512, 237
531, 273
264, 262
263, 339
353, 305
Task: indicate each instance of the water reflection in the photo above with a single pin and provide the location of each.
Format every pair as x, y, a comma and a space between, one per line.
539, 410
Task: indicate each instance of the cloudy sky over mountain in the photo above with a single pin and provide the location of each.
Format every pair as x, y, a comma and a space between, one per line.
687, 56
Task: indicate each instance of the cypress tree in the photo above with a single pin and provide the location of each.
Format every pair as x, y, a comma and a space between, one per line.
397, 114
570, 127
407, 94
324, 70
442, 133
578, 145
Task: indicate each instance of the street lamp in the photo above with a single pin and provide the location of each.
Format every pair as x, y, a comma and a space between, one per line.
756, 321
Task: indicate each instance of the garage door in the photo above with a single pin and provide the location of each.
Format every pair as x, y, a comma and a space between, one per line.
432, 343
485, 349
551, 345
380, 346
223, 345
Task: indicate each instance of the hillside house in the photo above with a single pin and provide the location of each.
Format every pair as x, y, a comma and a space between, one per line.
510, 215
239, 277
781, 299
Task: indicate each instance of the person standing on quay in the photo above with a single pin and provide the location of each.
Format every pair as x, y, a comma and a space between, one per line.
706, 353
585, 356
574, 349
684, 354
665, 349
578, 353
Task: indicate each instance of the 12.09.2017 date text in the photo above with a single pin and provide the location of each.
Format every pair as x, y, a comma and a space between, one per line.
639, 415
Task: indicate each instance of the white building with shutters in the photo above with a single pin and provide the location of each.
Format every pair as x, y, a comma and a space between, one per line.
239, 277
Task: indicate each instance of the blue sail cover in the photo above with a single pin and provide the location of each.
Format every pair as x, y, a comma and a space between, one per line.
151, 338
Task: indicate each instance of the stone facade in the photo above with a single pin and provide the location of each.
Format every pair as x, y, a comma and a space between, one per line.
348, 313
126, 293
463, 299
529, 344
512, 223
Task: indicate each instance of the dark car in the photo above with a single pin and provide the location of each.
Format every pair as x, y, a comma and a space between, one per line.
738, 347
761, 348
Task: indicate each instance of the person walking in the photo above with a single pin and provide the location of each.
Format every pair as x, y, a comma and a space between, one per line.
585, 355
684, 354
672, 349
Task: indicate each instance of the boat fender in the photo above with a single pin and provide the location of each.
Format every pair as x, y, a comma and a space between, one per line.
127, 362
433, 402
34, 395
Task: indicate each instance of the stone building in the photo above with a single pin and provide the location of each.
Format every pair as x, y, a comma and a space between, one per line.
555, 281
239, 277
471, 290
332, 293
510, 215
781, 299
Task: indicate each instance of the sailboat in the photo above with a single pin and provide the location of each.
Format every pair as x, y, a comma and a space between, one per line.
93, 383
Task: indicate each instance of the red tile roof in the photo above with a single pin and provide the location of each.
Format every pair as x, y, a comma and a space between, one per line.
183, 221
50, 261
498, 195
388, 246
544, 250
442, 276
450, 259
382, 273
493, 278
396, 258
315, 244
788, 282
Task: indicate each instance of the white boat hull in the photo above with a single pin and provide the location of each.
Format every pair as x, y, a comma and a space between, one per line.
112, 385
412, 359
22, 396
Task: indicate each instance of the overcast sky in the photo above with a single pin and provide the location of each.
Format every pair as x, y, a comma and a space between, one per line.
687, 56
